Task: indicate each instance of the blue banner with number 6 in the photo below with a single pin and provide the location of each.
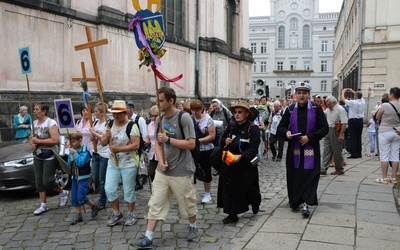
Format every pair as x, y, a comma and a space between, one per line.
65, 114
25, 61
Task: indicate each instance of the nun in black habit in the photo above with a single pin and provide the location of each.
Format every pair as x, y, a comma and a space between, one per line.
303, 124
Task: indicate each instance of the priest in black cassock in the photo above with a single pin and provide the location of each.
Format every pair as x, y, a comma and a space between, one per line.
303, 124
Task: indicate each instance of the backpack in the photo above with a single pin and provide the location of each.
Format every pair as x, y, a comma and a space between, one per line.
216, 140
199, 174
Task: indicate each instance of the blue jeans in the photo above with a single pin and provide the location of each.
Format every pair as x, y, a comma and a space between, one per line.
78, 192
99, 170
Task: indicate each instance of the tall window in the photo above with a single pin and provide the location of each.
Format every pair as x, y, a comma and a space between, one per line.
280, 65
307, 65
255, 67
230, 23
263, 48
174, 13
306, 36
293, 65
263, 67
324, 66
323, 86
324, 46
281, 37
279, 83
253, 48
293, 23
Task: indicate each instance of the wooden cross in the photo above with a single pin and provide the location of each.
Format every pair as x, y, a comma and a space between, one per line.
91, 45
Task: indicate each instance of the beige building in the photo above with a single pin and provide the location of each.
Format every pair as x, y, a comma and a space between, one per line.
206, 41
295, 43
367, 55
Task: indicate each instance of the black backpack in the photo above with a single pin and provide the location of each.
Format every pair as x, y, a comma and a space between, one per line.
128, 132
199, 174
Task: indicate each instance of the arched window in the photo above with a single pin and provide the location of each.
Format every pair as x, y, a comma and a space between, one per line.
293, 23
306, 36
281, 37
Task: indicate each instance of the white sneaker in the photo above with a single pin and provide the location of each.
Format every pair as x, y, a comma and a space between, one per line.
64, 198
40, 210
206, 199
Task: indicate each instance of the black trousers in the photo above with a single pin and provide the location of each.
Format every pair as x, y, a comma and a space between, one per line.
355, 130
272, 139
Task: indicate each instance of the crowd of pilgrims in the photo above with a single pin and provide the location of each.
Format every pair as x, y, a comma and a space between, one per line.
231, 143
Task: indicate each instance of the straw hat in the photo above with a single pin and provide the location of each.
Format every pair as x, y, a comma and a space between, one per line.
243, 105
118, 106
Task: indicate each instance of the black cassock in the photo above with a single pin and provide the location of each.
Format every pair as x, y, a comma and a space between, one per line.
238, 185
302, 183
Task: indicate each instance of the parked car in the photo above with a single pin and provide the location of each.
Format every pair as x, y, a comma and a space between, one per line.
16, 168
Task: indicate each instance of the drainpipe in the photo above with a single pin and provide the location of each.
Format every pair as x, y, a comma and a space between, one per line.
197, 57
360, 46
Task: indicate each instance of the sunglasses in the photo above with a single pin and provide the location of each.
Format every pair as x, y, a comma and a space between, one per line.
238, 112
154, 115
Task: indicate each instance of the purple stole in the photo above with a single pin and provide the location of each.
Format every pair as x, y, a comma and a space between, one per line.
308, 149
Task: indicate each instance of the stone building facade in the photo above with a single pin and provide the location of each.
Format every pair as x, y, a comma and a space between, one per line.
206, 41
368, 48
295, 43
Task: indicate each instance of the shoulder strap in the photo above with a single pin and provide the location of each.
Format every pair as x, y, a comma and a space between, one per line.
397, 112
129, 129
226, 115
110, 123
137, 119
95, 122
180, 123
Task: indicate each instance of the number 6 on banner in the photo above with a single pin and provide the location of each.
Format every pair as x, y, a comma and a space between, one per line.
25, 61
65, 115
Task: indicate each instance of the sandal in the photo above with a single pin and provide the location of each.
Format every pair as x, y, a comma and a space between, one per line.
393, 180
369, 155
382, 180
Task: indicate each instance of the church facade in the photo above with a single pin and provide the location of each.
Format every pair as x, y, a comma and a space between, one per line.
295, 43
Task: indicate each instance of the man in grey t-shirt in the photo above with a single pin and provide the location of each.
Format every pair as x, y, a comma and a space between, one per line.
174, 175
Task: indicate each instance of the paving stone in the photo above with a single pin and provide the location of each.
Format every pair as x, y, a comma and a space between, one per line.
330, 219
373, 244
310, 245
378, 217
275, 225
329, 234
378, 231
274, 241
342, 199
377, 205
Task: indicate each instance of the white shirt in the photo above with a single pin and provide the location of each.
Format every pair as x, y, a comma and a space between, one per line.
356, 108
142, 125
338, 113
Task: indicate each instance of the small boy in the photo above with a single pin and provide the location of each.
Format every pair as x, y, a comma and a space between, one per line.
79, 161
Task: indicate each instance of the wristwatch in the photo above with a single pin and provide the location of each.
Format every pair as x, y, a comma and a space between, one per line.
168, 141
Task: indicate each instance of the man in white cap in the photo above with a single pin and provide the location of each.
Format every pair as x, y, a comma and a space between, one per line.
303, 124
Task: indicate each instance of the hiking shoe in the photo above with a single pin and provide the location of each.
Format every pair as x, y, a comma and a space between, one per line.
40, 210
77, 219
194, 234
64, 198
95, 211
304, 210
114, 219
143, 243
130, 219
